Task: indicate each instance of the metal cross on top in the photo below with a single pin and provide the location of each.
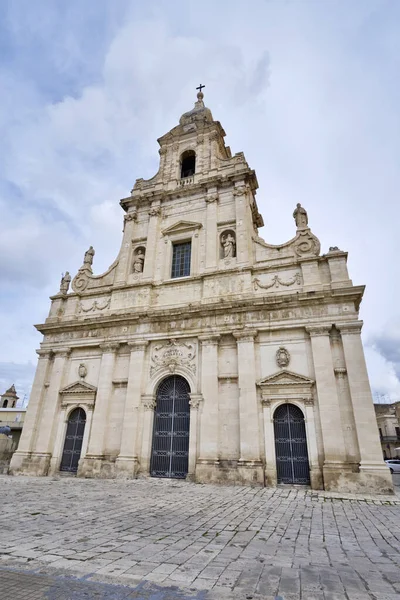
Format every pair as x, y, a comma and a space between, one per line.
200, 87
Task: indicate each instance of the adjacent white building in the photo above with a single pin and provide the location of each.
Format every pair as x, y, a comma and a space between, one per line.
204, 352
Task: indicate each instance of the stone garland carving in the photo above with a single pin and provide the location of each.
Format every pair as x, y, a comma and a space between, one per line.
94, 306
277, 281
282, 357
173, 353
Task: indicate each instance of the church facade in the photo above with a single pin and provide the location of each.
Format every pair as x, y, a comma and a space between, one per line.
204, 352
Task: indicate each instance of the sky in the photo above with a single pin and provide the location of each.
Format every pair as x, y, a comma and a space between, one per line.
308, 89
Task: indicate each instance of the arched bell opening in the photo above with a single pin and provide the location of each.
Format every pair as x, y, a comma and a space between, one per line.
188, 163
292, 465
170, 446
73, 441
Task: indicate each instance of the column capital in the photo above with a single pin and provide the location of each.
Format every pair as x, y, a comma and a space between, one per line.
211, 198
353, 327
209, 339
137, 345
340, 371
148, 402
43, 353
245, 335
318, 330
195, 401
109, 347
61, 352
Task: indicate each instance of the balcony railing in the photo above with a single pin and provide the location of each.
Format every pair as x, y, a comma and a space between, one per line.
390, 438
185, 181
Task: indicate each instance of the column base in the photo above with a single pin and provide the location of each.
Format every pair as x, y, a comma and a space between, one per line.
126, 467
96, 467
372, 478
30, 463
235, 472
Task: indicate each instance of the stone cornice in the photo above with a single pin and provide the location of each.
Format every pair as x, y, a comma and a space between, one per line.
199, 310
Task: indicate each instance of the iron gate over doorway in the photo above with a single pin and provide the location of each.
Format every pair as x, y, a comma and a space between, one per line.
170, 451
291, 445
73, 441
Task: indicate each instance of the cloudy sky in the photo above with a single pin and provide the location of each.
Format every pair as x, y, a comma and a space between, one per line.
307, 89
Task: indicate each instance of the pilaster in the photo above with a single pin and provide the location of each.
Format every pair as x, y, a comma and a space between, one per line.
372, 467
329, 409
250, 466
242, 234
194, 403
21, 461
127, 461
209, 415
148, 405
152, 240
43, 445
92, 463
211, 230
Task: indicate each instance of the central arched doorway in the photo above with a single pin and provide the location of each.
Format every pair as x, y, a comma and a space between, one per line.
73, 441
291, 453
170, 449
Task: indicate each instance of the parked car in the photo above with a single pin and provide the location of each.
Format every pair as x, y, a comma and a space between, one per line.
393, 464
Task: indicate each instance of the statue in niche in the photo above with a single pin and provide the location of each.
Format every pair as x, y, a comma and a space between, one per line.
228, 245
88, 259
138, 262
300, 216
65, 281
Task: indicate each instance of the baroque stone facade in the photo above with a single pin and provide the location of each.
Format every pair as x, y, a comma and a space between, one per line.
253, 349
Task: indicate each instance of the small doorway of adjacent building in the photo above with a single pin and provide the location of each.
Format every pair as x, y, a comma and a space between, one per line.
291, 453
170, 448
73, 441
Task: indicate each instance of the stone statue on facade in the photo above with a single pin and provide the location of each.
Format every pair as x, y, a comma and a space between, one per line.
138, 262
88, 259
65, 281
228, 244
300, 216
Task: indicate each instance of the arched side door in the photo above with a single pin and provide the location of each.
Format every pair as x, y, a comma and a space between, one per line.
170, 448
291, 453
73, 441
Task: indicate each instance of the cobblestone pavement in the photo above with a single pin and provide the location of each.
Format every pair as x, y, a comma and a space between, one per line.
165, 539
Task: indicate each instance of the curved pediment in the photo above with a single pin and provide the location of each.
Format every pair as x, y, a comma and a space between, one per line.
182, 226
79, 387
286, 378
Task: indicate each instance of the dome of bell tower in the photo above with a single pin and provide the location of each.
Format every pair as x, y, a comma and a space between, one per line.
198, 113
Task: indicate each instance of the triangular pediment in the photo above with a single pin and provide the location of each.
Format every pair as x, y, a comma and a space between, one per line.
285, 377
181, 226
79, 387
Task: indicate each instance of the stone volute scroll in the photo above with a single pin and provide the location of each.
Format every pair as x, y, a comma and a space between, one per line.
81, 280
